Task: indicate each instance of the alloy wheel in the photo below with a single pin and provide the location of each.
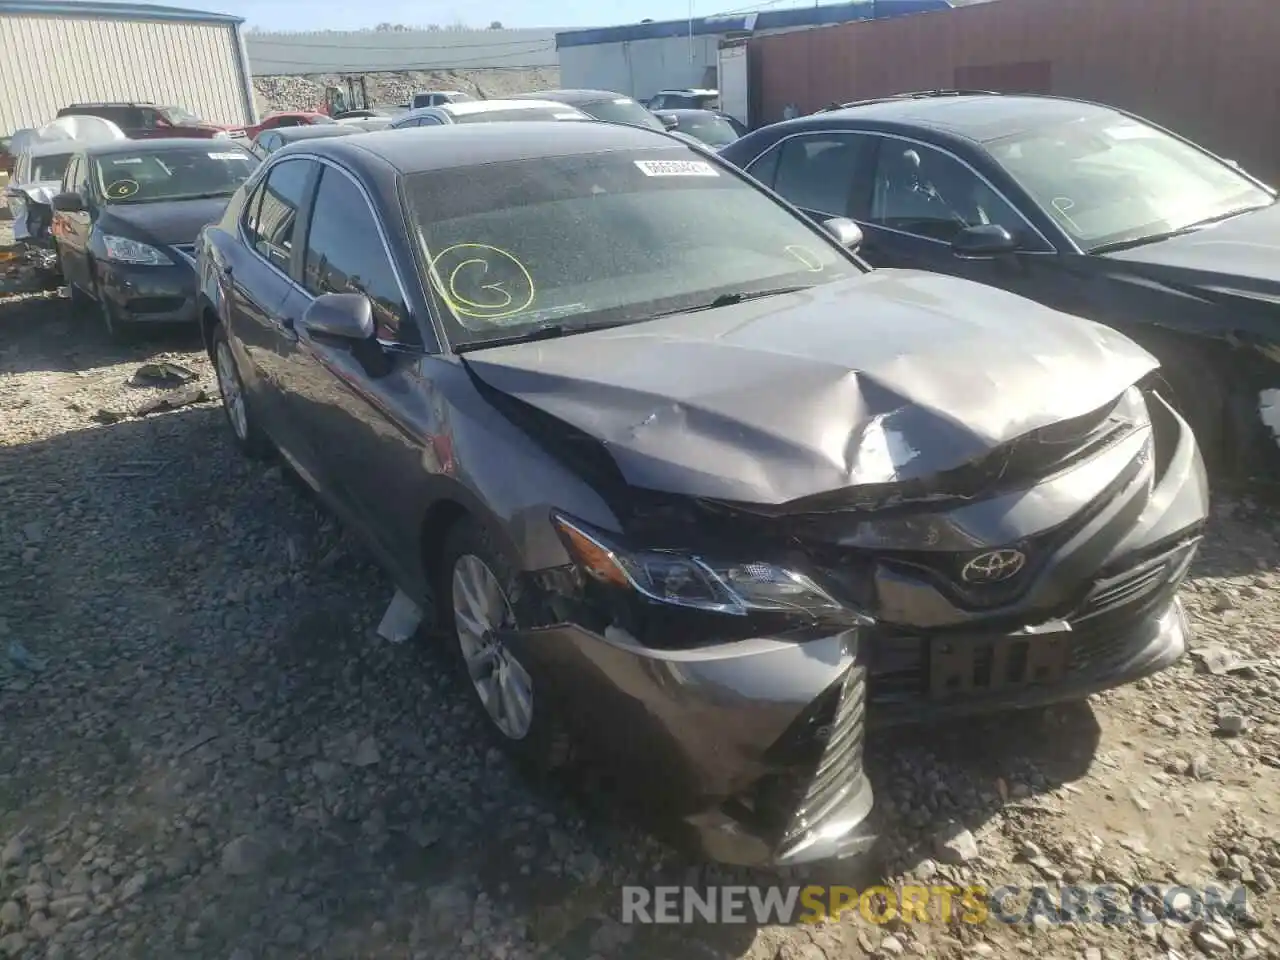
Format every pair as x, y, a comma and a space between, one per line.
480, 610
229, 387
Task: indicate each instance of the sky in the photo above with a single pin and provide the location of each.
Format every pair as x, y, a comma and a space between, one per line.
351, 15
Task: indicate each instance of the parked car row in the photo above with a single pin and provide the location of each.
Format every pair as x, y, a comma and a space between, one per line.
714, 461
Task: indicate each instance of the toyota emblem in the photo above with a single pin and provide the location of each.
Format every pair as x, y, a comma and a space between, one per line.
993, 566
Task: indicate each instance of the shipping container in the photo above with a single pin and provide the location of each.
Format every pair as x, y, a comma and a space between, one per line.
1206, 70
57, 53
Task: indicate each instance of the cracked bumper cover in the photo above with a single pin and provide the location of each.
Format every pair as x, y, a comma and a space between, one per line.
756, 746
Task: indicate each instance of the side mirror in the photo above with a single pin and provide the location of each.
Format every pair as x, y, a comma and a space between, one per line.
342, 316
984, 240
847, 233
68, 203
668, 121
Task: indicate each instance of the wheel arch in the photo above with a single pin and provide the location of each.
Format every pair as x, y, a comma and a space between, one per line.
450, 504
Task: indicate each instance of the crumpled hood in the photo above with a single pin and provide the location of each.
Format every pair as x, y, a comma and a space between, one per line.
164, 222
892, 376
40, 191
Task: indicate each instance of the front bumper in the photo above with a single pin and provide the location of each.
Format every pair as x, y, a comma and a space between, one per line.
755, 746
147, 294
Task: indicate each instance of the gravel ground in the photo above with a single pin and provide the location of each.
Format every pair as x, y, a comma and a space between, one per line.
206, 752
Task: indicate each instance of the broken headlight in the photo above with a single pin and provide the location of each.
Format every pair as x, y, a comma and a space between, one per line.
695, 582
127, 250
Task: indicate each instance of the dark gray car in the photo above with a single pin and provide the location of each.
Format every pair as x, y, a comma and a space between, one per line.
688, 483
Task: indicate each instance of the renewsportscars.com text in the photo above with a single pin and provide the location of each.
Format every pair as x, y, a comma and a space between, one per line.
1107, 903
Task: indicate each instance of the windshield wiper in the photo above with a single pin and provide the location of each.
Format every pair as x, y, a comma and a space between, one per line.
729, 299
549, 332
1181, 231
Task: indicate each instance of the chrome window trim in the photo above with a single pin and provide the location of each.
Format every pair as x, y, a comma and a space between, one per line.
777, 144
382, 235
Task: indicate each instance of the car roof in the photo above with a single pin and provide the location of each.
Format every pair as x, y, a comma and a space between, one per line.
690, 112
694, 91
193, 144
425, 149
487, 106
49, 148
110, 103
981, 117
572, 96
308, 133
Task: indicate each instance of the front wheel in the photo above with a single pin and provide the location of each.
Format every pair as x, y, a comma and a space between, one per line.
474, 600
235, 403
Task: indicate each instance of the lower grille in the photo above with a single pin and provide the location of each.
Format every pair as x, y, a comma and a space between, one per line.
1101, 627
818, 763
150, 305
839, 766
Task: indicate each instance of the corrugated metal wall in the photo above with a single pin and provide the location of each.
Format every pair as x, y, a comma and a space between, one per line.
375, 51
64, 60
1210, 71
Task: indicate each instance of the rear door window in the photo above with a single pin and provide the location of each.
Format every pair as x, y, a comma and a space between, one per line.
271, 217
816, 171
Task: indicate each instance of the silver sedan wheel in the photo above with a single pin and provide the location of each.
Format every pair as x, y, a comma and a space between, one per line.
229, 387
480, 610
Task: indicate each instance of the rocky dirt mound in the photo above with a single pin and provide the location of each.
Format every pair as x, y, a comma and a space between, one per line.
392, 89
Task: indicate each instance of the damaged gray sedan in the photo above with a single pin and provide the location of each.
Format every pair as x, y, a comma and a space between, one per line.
689, 484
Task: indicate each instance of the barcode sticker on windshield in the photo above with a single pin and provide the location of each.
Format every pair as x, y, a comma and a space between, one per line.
676, 168
226, 156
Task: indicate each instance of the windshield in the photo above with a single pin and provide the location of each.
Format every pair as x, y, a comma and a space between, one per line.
49, 167
1113, 180
622, 110
180, 116
606, 238
175, 174
710, 129
517, 113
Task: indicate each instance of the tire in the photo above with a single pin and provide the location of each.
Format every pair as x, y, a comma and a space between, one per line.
535, 738
248, 436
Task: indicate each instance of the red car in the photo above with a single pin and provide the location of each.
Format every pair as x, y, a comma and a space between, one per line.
145, 121
290, 118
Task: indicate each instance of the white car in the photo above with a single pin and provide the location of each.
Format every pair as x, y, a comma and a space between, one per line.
488, 111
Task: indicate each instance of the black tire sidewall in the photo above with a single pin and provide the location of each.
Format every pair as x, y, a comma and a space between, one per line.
545, 748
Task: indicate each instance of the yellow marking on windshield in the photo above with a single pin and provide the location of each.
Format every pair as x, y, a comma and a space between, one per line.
122, 189
811, 261
478, 285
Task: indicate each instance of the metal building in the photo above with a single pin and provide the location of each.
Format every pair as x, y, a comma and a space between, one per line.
56, 53
642, 58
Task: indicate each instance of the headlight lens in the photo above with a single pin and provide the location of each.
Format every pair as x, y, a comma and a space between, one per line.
696, 582
124, 250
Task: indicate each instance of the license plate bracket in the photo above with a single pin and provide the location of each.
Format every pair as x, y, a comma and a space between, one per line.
960, 666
